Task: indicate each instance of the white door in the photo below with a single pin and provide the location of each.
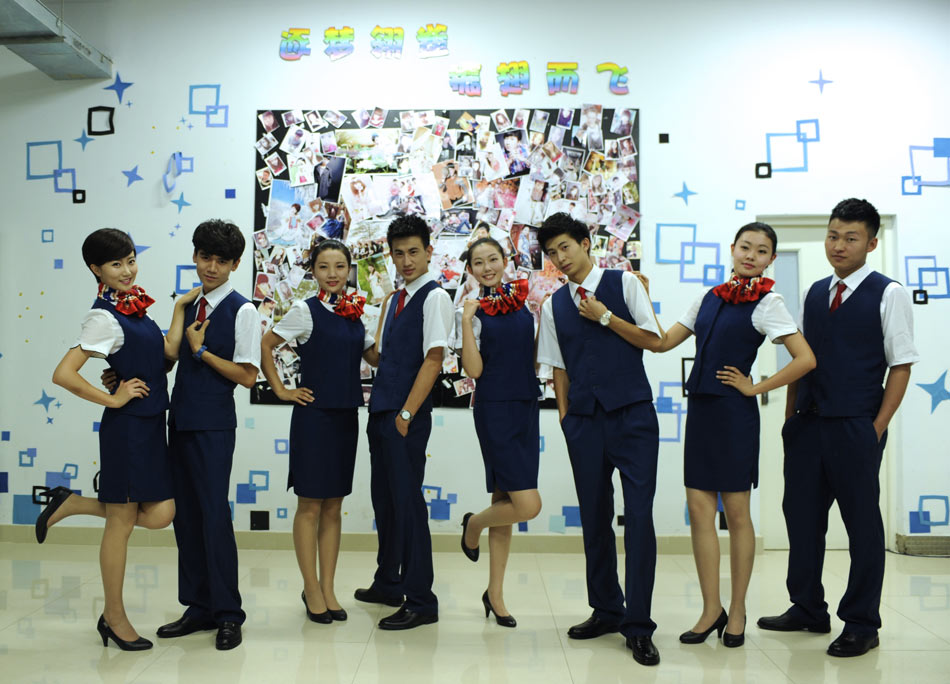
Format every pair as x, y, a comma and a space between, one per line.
801, 261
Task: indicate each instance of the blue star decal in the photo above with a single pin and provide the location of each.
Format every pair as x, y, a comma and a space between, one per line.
821, 82
118, 86
58, 404
138, 248
132, 175
45, 400
684, 194
183, 120
49, 421
181, 202
84, 139
937, 391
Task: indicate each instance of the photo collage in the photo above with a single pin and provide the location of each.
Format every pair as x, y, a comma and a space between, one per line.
469, 173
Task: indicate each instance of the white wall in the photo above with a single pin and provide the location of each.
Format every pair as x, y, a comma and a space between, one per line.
716, 76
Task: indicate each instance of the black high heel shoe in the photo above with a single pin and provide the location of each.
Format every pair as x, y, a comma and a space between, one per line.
56, 498
719, 625
471, 554
503, 620
323, 618
106, 633
734, 640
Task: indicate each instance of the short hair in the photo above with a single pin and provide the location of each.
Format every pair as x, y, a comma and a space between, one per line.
408, 226
561, 223
759, 227
467, 254
853, 210
105, 245
323, 246
220, 238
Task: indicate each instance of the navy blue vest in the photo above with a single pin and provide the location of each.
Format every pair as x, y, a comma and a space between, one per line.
849, 347
142, 356
724, 336
402, 355
330, 359
507, 348
601, 365
202, 398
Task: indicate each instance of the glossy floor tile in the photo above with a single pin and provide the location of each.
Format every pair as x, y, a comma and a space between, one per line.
51, 596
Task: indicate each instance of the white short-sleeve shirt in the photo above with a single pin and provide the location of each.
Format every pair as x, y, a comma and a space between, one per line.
298, 324
100, 334
247, 325
897, 316
770, 317
634, 295
438, 314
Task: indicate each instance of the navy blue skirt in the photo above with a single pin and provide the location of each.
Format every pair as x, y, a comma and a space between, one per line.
322, 451
133, 459
508, 433
721, 449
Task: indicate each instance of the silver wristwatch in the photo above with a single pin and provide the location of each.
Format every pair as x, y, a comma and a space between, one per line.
406, 415
605, 319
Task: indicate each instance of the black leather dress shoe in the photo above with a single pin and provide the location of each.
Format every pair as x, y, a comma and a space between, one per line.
370, 595
850, 644
324, 618
644, 652
407, 619
786, 622
229, 636
183, 626
56, 498
592, 628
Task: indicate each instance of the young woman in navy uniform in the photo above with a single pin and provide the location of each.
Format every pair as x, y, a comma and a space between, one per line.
135, 482
496, 336
330, 341
721, 449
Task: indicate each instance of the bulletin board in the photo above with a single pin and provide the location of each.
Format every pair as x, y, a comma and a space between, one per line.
346, 174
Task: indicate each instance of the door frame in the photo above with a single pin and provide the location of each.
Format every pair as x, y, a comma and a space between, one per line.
887, 243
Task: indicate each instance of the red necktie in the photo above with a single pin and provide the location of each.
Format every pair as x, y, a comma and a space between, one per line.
836, 302
202, 313
582, 292
401, 303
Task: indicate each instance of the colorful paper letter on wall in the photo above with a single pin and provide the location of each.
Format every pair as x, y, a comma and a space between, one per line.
294, 44
387, 42
465, 79
433, 40
339, 42
618, 77
513, 78
562, 77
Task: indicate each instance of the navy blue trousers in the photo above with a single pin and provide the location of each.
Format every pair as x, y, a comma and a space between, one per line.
834, 459
404, 558
626, 439
207, 552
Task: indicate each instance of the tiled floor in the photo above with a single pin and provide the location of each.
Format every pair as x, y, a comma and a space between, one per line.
50, 598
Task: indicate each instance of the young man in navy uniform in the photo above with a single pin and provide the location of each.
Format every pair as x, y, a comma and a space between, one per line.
221, 349
593, 332
408, 355
860, 325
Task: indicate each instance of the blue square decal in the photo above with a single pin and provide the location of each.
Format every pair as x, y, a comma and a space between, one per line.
5, 436
713, 274
24, 510
281, 513
46, 235
57, 264
914, 182
249, 423
231, 506
71, 470
57, 480
439, 509
4, 483
919, 522
258, 485
230, 193
541, 445
664, 404
572, 515
95, 426
522, 527
452, 498
656, 307
245, 495
740, 205
200, 104
281, 446
942, 147
807, 130
26, 458
438, 420
42, 166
